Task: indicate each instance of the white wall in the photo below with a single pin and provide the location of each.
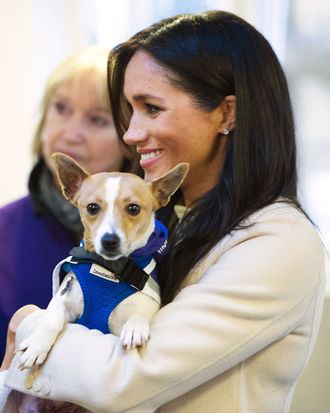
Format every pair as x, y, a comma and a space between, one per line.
35, 35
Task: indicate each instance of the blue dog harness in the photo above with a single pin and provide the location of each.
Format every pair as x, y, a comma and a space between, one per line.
102, 289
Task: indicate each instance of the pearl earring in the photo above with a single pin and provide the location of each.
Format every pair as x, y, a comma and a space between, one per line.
225, 131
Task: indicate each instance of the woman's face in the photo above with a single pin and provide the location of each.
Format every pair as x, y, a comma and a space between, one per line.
167, 127
77, 125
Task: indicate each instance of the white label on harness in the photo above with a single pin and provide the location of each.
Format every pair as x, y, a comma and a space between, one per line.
103, 273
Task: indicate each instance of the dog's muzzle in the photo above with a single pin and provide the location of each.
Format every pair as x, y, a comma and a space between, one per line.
110, 245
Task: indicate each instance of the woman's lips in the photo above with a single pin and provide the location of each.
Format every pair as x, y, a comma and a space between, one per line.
149, 155
148, 158
73, 155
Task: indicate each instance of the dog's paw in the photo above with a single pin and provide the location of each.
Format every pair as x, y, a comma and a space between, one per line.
39, 383
34, 351
135, 332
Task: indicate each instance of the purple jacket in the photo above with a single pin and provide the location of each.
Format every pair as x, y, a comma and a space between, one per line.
31, 246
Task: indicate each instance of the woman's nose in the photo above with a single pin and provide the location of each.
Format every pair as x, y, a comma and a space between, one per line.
136, 133
74, 129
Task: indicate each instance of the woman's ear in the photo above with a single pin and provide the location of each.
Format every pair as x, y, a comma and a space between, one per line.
228, 109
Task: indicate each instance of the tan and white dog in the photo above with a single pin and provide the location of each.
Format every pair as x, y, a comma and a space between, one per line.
117, 212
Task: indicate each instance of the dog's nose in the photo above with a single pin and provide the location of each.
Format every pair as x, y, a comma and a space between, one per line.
110, 242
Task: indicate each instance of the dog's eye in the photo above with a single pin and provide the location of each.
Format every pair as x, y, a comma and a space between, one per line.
93, 208
133, 209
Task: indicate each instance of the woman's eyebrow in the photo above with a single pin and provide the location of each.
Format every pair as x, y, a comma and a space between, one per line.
146, 96
60, 95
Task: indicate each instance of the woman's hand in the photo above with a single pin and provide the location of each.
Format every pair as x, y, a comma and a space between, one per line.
15, 321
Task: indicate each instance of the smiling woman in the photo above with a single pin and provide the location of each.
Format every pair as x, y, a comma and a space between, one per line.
161, 126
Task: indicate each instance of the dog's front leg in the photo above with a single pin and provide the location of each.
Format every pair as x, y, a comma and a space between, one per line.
66, 305
131, 319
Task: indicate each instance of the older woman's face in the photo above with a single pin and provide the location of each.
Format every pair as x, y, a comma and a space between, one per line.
77, 125
167, 127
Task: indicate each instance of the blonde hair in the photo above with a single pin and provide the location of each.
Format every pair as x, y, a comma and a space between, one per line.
92, 60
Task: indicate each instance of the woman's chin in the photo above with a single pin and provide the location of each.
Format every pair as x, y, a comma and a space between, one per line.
150, 176
156, 172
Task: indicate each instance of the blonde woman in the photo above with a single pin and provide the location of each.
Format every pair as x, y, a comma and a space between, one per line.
40, 229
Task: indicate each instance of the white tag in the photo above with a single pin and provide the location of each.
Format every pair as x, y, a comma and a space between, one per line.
103, 273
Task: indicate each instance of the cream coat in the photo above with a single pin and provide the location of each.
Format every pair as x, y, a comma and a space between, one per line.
235, 339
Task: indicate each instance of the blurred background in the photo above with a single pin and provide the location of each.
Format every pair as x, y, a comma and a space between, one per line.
36, 35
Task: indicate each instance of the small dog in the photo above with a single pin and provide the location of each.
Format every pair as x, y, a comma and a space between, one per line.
117, 212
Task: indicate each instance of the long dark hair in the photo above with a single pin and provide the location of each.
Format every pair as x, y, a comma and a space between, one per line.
212, 55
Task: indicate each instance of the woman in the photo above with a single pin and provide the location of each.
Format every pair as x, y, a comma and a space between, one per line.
243, 284
40, 229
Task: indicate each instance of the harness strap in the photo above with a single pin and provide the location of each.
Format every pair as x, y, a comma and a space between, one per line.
125, 269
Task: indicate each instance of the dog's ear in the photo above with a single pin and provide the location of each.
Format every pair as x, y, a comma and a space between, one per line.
70, 174
165, 186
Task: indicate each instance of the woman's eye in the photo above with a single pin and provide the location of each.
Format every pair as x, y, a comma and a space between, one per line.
93, 208
133, 209
152, 109
61, 107
129, 107
99, 121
